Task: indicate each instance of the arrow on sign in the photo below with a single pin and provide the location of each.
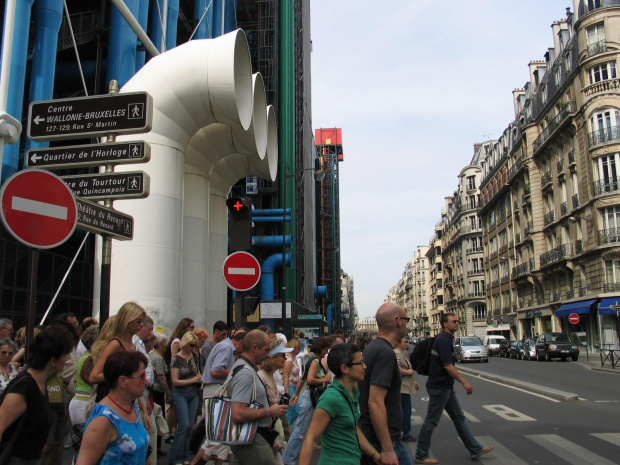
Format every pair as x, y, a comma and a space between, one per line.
35, 158
38, 120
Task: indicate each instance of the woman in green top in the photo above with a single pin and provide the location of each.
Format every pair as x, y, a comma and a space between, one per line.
337, 413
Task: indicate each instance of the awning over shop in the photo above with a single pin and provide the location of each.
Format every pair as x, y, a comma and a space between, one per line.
582, 306
609, 306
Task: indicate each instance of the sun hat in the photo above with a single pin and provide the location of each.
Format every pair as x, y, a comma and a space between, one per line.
280, 349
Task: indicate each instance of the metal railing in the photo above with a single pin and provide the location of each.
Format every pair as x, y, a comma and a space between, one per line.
575, 200
560, 166
550, 217
529, 227
546, 178
473, 250
578, 246
609, 134
553, 125
515, 168
612, 287
475, 272
476, 294
556, 254
571, 157
609, 185
597, 47
520, 269
609, 236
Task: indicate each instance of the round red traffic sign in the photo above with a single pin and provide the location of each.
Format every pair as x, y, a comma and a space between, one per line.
38, 208
573, 318
241, 271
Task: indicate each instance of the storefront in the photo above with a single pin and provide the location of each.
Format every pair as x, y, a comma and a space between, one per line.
579, 321
608, 309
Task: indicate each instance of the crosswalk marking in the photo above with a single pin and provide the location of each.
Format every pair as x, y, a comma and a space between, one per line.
507, 457
507, 413
614, 438
568, 450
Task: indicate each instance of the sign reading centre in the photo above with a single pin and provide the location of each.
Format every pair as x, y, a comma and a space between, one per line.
130, 113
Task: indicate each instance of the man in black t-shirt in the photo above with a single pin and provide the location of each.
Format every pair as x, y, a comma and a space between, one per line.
440, 387
381, 413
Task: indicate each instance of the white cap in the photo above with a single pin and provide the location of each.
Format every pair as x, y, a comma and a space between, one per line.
280, 349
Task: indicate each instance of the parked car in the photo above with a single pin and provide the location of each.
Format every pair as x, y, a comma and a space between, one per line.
529, 349
516, 350
470, 349
491, 342
504, 348
556, 345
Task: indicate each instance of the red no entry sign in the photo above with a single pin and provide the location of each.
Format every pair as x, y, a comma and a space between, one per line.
38, 209
241, 271
573, 318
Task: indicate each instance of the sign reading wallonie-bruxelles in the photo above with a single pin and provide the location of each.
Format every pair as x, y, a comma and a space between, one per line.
90, 116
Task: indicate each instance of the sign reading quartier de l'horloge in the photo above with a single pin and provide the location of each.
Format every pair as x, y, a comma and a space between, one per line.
89, 155
130, 113
119, 185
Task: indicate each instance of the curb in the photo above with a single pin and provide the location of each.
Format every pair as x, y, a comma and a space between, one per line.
544, 391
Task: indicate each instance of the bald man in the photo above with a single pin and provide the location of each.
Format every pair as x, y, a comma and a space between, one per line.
381, 413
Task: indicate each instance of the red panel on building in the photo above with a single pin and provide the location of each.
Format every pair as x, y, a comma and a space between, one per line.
330, 136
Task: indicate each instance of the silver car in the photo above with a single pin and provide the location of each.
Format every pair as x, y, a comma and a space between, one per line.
470, 348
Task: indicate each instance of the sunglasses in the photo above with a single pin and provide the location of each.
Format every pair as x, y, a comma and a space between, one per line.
279, 355
193, 346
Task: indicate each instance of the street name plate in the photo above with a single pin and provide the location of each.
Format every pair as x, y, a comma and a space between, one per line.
310, 317
103, 220
120, 185
89, 155
90, 116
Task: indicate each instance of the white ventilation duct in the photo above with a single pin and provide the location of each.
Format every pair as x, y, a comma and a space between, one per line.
199, 83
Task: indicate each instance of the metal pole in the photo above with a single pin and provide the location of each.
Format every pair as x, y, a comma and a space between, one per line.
239, 314
31, 299
284, 325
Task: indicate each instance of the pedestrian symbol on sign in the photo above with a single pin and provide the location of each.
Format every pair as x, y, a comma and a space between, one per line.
134, 183
127, 227
134, 150
136, 111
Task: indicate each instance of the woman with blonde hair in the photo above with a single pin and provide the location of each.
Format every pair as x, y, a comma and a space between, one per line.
290, 375
185, 376
116, 336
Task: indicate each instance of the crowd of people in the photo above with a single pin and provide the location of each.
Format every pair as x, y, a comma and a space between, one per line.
116, 393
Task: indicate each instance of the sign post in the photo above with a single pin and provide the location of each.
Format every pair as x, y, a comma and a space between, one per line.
241, 272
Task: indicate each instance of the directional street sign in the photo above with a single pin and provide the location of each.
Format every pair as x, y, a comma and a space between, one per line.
103, 220
130, 113
121, 185
89, 155
241, 271
38, 209
573, 318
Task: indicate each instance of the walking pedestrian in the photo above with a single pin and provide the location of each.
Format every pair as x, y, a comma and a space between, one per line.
220, 332
408, 388
440, 388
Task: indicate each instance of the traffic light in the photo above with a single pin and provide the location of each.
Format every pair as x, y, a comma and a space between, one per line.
239, 224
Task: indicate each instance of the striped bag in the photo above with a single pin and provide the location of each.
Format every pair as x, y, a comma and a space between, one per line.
218, 416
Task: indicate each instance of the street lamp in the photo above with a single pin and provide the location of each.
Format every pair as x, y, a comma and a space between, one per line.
319, 175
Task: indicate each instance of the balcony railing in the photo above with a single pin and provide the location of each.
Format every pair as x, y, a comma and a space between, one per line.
495, 282
571, 157
503, 247
575, 199
529, 228
560, 166
556, 254
473, 250
550, 217
578, 246
609, 134
553, 125
546, 178
475, 272
532, 264
504, 279
563, 208
515, 168
609, 185
520, 269
476, 294
597, 47
609, 236
609, 85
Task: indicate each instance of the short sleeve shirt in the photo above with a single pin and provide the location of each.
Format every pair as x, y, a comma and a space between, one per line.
159, 368
204, 353
339, 440
442, 354
222, 357
187, 370
240, 388
381, 370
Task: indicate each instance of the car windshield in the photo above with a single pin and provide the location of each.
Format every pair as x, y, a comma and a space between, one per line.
558, 338
471, 341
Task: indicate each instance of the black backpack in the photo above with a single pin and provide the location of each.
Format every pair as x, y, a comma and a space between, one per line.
421, 356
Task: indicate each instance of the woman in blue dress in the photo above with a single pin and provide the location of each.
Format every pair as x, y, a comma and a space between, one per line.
113, 433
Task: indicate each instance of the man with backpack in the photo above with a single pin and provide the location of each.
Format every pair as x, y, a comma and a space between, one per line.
440, 387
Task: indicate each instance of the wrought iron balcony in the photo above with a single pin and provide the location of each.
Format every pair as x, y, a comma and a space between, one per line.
583, 291
575, 199
612, 287
609, 134
503, 247
570, 295
609, 236
504, 279
563, 208
495, 282
578, 246
520, 269
515, 168
529, 228
553, 125
532, 264
560, 166
473, 250
609, 185
571, 157
597, 47
476, 294
546, 178
554, 255
550, 217
475, 272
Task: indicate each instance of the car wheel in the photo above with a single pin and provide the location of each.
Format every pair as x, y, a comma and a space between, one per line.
575, 358
539, 357
486, 360
520, 356
547, 357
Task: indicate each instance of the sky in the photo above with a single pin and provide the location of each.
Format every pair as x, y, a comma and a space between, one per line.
414, 84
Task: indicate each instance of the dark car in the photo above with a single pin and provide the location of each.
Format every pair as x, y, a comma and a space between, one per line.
556, 345
529, 349
516, 350
504, 348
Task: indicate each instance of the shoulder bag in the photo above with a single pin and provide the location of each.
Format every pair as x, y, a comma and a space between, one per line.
218, 416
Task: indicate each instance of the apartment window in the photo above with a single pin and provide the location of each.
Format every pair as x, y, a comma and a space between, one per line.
607, 171
471, 182
557, 73
602, 72
612, 271
611, 217
543, 94
496, 302
595, 37
568, 61
575, 183
495, 273
480, 312
472, 202
494, 245
604, 122
492, 218
503, 238
472, 222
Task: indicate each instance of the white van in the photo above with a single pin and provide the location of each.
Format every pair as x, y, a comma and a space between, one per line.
491, 342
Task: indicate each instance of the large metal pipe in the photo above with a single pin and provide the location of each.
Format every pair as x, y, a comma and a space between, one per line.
135, 26
123, 43
267, 282
143, 20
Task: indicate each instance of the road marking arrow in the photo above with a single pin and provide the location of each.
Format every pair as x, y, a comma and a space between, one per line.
38, 120
35, 158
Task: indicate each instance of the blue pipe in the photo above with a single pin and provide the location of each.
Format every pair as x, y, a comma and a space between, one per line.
122, 46
172, 24
143, 19
230, 16
17, 79
320, 291
270, 219
267, 291
155, 21
271, 211
204, 26
271, 241
328, 316
48, 17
